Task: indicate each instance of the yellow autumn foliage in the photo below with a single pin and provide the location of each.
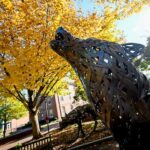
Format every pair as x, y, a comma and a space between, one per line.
26, 29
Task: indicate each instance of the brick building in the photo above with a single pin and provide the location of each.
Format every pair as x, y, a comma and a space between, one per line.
57, 105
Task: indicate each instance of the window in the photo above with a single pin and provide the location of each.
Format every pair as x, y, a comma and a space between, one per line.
62, 98
8, 125
51, 113
71, 107
63, 110
70, 96
49, 102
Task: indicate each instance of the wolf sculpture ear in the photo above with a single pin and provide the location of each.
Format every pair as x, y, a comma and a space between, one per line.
133, 50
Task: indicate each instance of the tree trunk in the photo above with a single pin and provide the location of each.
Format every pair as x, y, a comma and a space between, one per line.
35, 125
5, 127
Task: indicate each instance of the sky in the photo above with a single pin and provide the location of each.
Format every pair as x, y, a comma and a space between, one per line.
136, 27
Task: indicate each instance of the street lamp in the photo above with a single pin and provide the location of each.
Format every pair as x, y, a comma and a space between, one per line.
46, 118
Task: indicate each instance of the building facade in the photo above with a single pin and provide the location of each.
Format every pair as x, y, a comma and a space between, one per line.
59, 105
13, 124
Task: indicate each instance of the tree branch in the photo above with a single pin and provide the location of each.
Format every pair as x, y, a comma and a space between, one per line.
21, 98
23, 101
48, 88
38, 94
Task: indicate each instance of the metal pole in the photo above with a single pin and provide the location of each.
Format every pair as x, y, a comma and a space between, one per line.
47, 119
59, 106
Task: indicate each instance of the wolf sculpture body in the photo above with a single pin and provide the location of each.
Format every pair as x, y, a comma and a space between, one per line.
117, 91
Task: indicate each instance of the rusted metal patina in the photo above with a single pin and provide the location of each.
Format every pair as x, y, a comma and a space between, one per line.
117, 91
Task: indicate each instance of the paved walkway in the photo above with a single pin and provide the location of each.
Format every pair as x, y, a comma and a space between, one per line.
27, 138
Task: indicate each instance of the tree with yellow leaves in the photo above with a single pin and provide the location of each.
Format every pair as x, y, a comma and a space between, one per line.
10, 109
27, 64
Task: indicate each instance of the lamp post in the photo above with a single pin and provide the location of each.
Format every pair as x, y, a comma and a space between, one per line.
46, 118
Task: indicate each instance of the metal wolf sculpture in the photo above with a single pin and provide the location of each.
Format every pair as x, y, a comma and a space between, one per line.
113, 85
78, 115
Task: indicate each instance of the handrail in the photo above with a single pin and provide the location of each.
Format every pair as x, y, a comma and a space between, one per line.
40, 143
99, 141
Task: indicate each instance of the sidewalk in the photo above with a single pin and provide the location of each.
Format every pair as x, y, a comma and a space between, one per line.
27, 138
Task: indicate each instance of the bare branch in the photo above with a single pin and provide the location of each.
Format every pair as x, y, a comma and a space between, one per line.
43, 95
38, 94
40, 102
46, 92
21, 98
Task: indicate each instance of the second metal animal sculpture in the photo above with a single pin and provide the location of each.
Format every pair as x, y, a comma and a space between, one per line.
78, 116
113, 85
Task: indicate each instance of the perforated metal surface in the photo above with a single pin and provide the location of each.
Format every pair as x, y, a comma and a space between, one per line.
79, 115
118, 92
